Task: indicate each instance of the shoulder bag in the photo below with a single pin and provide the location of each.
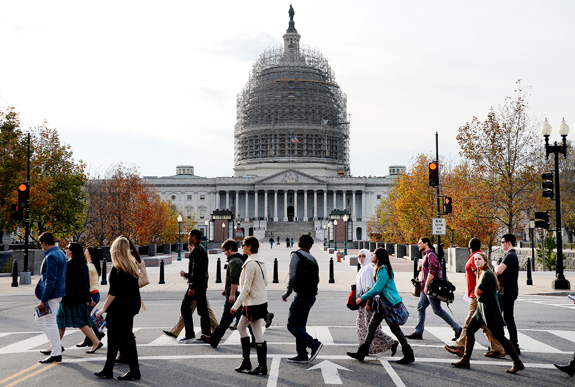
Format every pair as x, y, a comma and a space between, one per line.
143, 279
351, 305
442, 290
393, 314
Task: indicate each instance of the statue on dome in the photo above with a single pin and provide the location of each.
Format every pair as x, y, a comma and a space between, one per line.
291, 13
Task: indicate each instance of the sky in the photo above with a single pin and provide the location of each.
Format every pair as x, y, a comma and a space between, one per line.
154, 83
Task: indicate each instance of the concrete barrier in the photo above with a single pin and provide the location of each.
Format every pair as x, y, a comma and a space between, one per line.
400, 250
155, 261
413, 252
456, 259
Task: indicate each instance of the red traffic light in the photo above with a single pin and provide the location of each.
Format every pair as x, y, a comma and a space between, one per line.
22, 187
434, 174
433, 166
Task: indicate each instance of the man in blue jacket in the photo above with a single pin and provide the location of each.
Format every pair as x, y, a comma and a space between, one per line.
54, 279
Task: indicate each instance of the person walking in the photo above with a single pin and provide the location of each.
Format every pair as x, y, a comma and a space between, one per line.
73, 311
287, 243
364, 282
496, 349
271, 242
508, 273
121, 305
488, 313
197, 287
50, 290
431, 269
384, 287
303, 279
95, 270
233, 266
253, 297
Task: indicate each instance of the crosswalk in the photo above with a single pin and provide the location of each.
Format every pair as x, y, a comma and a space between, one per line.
531, 340
558, 301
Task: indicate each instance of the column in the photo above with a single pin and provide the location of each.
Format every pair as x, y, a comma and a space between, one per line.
315, 204
353, 213
218, 199
363, 200
256, 204
227, 200
325, 203
334, 199
305, 219
295, 192
276, 205
343, 206
247, 214
285, 205
266, 205
237, 204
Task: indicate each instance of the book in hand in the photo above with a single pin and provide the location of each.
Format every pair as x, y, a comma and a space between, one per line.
99, 324
46, 311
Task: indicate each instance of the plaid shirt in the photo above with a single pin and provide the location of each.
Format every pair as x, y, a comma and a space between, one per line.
430, 265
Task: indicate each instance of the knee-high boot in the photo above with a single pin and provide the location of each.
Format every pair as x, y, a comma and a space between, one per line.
262, 351
246, 363
517, 364
408, 356
361, 353
464, 362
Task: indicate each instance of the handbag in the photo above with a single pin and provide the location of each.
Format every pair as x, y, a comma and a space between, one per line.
351, 305
442, 290
393, 314
143, 279
416, 287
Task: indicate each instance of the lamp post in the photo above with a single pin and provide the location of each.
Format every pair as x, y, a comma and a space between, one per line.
224, 231
335, 235
180, 237
328, 236
324, 236
560, 281
207, 223
345, 219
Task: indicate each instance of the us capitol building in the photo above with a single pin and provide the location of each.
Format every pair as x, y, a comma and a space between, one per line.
291, 172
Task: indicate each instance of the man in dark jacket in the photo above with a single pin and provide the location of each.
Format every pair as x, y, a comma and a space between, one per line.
233, 271
197, 286
303, 279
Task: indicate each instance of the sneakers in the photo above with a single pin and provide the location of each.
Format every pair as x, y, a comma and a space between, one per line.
315, 351
170, 334
233, 327
302, 359
415, 336
185, 340
269, 319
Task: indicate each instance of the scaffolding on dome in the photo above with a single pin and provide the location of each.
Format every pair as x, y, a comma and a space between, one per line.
292, 110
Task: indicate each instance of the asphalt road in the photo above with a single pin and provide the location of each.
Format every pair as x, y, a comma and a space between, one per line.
547, 335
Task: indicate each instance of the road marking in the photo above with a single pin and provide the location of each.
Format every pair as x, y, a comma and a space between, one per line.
20, 373
25, 345
31, 375
531, 345
391, 372
445, 334
161, 341
321, 333
274, 371
567, 335
329, 371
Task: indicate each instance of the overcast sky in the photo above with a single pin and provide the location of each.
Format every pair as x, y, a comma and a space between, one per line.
154, 83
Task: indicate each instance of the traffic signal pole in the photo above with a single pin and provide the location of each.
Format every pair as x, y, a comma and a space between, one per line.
440, 252
25, 277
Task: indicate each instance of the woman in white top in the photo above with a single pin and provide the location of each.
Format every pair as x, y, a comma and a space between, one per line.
363, 283
95, 271
253, 297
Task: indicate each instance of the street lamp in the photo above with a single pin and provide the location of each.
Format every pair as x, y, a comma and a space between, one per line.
328, 236
335, 235
560, 281
207, 223
324, 236
345, 219
179, 237
224, 231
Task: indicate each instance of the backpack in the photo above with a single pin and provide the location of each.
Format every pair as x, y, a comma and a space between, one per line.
307, 276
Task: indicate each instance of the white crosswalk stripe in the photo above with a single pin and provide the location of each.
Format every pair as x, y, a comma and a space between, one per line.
445, 334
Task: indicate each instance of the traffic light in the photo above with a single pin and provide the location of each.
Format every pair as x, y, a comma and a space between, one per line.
434, 174
23, 195
16, 212
542, 220
547, 185
447, 202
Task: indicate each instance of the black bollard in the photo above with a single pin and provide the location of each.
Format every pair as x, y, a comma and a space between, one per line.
276, 280
15, 274
104, 272
219, 272
162, 272
331, 278
529, 279
415, 271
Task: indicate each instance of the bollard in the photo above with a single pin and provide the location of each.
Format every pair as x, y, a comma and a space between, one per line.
338, 256
529, 279
276, 280
331, 279
104, 273
15, 274
415, 271
162, 272
219, 272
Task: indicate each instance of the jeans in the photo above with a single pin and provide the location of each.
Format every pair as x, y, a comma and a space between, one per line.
225, 323
297, 320
202, 309
48, 324
424, 302
508, 306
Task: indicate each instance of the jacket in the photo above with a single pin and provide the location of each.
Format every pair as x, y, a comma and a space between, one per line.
252, 283
385, 286
198, 268
54, 274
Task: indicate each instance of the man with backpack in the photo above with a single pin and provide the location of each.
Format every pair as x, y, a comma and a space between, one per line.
303, 279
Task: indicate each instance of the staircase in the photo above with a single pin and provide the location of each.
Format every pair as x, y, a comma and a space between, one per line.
289, 230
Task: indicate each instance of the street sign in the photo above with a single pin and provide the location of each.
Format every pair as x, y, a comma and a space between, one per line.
438, 226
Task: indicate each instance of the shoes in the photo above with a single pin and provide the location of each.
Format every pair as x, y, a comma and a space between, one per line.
408, 356
269, 319
131, 375
205, 339
454, 350
185, 340
568, 369
233, 327
100, 345
494, 355
394, 348
49, 351
463, 363
170, 334
302, 359
84, 343
517, 366
51, 359
104, 374
415, 336
315, 351
199, 339
457, 334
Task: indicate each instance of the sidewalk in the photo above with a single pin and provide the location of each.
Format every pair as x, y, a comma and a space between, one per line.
343, 273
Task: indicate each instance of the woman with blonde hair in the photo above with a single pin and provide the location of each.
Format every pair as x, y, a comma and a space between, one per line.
488, 313
122, 304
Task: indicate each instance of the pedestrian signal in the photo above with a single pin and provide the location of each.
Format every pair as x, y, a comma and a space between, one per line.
542, 220
434, 174
447, 202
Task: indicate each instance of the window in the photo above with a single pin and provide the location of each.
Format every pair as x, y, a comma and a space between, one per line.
378, 197
202, 213
188, 213
202, 197
189, 197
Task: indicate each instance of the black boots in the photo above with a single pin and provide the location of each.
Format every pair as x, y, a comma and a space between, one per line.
569, 369
361, 353
262, 351
408, 356
246, 363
